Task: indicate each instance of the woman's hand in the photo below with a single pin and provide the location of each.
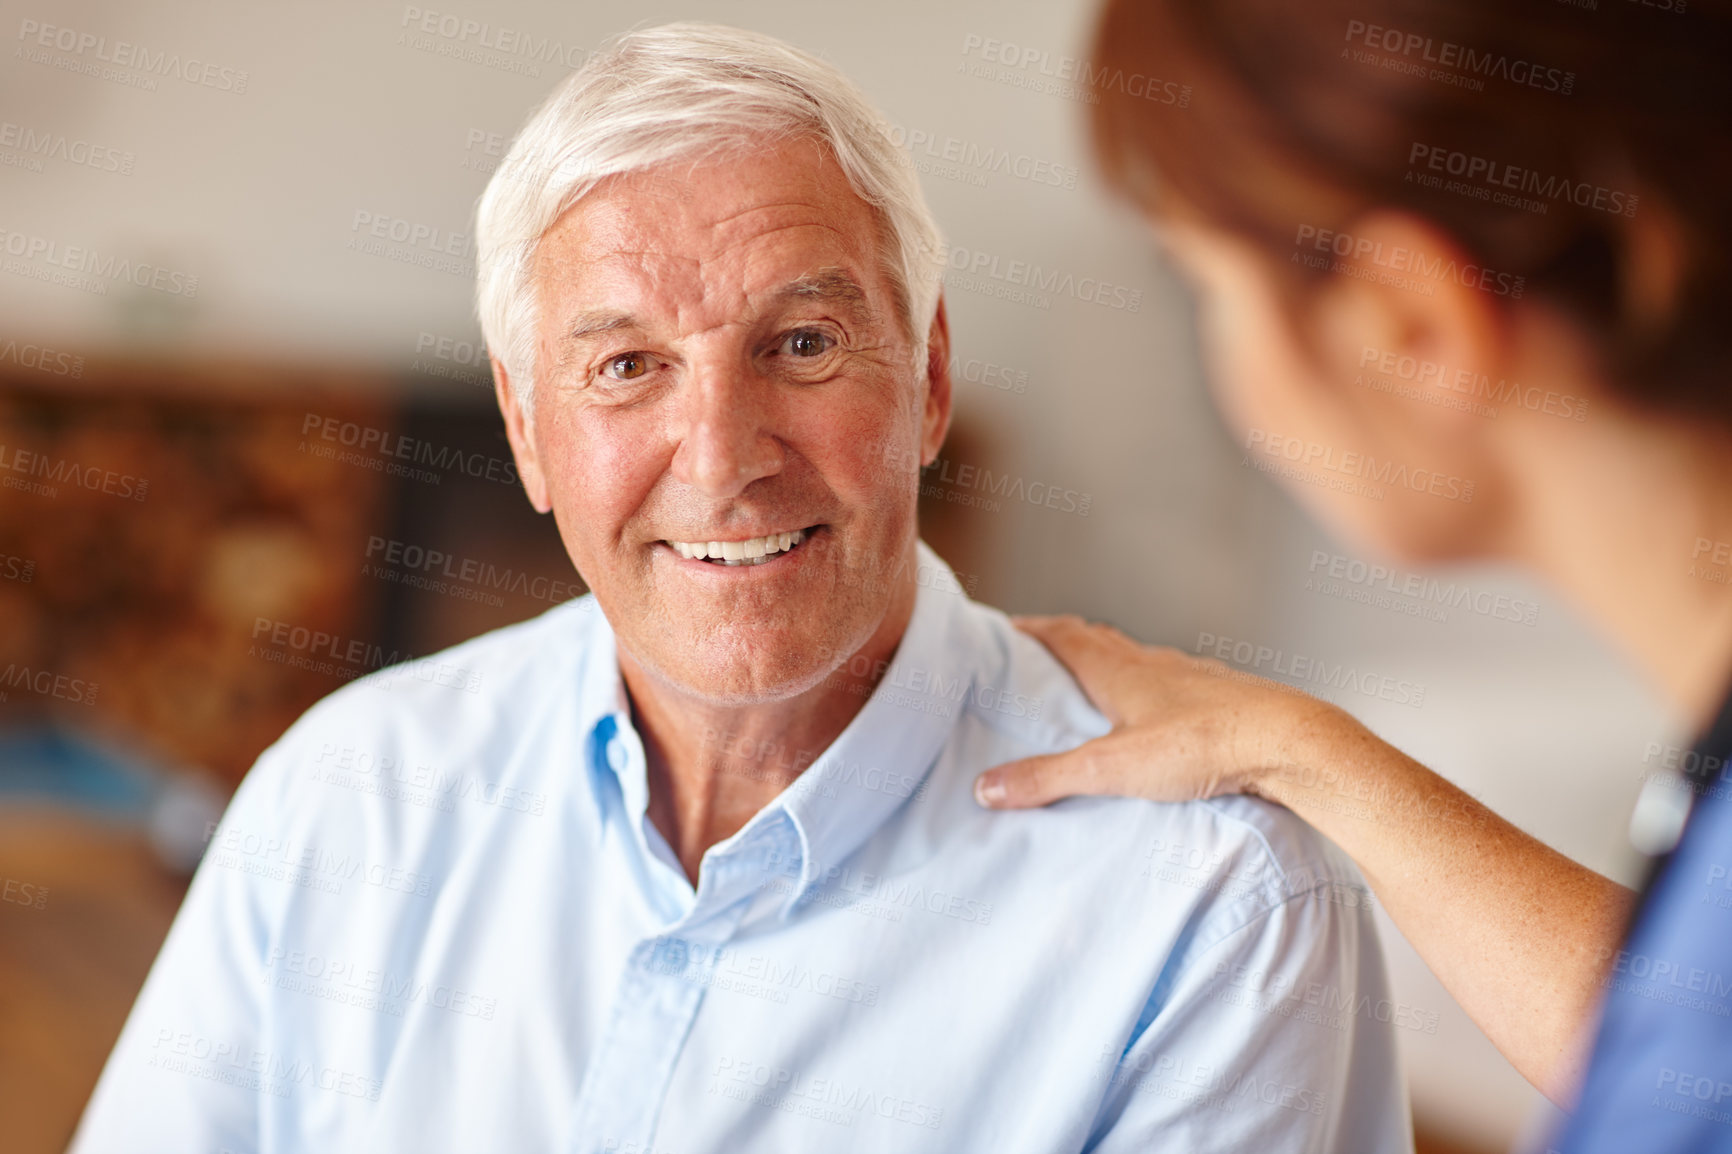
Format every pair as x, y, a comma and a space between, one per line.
1185, 727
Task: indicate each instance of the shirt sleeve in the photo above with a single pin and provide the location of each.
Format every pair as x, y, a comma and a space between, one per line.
1660, 1078
189, 1069
1278, 1037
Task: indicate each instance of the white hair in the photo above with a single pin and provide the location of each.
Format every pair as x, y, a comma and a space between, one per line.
677, 92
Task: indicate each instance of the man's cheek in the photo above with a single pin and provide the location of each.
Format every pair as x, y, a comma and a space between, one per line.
608, 471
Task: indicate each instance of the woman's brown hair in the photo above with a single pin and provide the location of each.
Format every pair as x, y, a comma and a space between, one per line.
1580, 151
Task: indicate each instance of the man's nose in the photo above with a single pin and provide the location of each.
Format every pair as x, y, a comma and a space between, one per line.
727, 440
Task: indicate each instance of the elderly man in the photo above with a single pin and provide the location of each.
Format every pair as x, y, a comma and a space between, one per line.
692, 864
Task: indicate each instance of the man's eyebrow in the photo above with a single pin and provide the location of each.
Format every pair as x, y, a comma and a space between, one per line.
831, 285
586, 325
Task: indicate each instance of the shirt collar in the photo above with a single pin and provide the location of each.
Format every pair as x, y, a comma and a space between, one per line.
876, 765
614, 751
881, 760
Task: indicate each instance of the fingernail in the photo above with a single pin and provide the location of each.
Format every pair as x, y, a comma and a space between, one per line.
988, 789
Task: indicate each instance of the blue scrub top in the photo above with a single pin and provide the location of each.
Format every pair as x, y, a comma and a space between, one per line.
1660, 1079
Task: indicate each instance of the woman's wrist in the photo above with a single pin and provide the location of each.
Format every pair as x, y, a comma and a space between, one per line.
1311, 749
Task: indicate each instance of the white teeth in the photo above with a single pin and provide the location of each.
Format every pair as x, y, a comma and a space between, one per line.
753, 552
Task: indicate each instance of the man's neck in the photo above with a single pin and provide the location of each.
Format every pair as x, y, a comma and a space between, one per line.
712, 766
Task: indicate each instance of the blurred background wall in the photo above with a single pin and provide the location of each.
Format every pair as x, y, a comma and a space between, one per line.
236, 261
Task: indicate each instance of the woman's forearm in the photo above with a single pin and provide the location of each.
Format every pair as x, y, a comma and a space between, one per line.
1519, 934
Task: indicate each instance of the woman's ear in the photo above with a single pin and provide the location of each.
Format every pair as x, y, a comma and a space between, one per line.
1406, 323
520, 432
1354, 366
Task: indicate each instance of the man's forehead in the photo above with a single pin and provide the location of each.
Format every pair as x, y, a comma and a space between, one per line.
755, 260
752, 224
610, 295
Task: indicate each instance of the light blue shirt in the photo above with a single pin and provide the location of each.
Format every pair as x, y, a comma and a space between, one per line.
437, 918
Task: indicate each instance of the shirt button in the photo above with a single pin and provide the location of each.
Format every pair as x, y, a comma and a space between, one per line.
616, 755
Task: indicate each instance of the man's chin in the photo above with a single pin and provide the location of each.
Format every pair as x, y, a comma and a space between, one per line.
741, 677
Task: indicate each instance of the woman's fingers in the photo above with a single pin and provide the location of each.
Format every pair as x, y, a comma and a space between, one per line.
1132, 762
1106, 765
1094, 654
1071, 634
1183, 727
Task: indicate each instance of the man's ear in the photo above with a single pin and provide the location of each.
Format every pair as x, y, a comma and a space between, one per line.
1427, 318
519, 432
935, 420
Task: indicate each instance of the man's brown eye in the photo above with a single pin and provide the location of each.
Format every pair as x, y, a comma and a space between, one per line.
808, 343
629, 366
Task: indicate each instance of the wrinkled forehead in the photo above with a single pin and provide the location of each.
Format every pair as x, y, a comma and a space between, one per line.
715, 239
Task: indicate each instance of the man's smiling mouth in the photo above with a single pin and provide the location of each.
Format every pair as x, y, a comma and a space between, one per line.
755, 551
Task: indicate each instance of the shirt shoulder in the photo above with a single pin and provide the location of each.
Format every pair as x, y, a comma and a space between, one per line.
407, 745
482, 683
1021, 693
1232, 849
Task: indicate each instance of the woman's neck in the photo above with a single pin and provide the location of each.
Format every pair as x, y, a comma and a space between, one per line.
1630, 516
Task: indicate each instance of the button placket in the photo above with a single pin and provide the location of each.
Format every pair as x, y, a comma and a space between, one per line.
657, 1001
